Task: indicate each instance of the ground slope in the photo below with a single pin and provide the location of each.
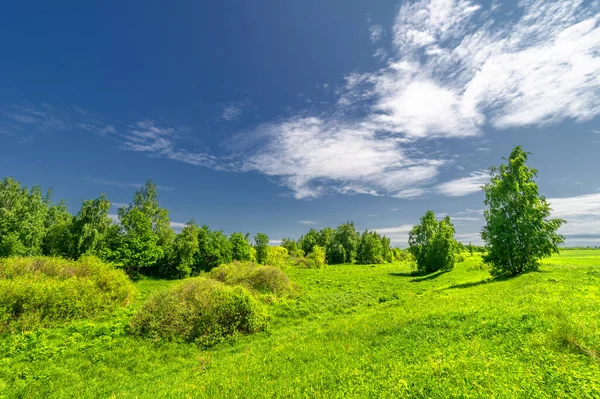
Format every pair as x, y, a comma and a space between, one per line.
356, 331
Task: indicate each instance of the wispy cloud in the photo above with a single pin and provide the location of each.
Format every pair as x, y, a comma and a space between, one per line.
231, 112
308, 222
375, 32
464, 185
122, 184
155, 140
177, 225
398, 235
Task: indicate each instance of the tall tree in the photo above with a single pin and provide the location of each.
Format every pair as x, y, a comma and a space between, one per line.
214, 250
23, 215
58, 231
89, 227
370, 249
348, 238
139, 245
185, 248
261, 244
518, 232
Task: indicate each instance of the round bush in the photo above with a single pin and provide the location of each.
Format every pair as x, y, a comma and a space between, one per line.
199, 310
264, 279
39, 291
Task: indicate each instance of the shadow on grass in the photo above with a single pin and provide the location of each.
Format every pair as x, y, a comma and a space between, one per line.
404, 274
481, 282
418, 276
429, 277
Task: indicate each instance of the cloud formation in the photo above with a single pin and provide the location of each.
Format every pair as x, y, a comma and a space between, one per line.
457, 68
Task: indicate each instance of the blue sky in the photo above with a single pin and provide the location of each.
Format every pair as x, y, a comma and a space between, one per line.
282, 116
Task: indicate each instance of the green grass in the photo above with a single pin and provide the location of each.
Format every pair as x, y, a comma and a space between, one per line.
354, 331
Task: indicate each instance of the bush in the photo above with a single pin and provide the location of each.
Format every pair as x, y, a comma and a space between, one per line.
263, 279
199, 310
317, 256
39, 291
276, 256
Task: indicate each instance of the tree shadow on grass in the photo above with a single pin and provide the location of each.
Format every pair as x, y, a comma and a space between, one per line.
404, 274
480, 282
418, 276
431, 276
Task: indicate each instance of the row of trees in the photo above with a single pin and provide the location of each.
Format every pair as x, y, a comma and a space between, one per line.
342, 245
141, 241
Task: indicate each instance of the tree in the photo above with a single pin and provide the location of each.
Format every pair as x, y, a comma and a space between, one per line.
57, 239
432, 244
89, 227
370, 249
214, 250
261, 244
518, 231
185, 247
309, 240
346, 236
23, 215
290, 245
139, 246
317, 257
240, 247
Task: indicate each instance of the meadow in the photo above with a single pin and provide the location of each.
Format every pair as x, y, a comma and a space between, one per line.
352, 331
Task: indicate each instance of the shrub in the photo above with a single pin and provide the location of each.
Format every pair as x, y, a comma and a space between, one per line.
317, 256
276, 256
39, 291
199, 310
263, 279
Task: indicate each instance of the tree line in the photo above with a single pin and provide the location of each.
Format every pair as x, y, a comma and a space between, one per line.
141, 240
518, 232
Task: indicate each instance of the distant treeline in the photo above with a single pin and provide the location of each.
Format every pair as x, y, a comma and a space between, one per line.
142, 241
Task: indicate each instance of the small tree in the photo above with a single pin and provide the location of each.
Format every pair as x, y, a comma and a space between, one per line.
432, 244
370, 248
518, 231
240, 247
261, 241
317, 256
185, 247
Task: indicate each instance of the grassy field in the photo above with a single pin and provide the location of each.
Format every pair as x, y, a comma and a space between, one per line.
355, 331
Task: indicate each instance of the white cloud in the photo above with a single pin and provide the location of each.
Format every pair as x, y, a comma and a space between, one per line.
465, 219
588, 204
464, 185
313, 155
146, 136
398, 235
177, 225
231, 112
308, 222
122, 184
375, 32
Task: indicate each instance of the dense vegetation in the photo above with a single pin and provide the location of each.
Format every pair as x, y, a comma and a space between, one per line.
255, 321
355, 331
39, 291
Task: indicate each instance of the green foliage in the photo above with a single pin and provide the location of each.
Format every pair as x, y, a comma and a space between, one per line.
90, 226
345, 243
370, 248
57, 239
240, 247
290, 245
261, 244
309, 240
317, 257
41, 291
432, 244
532, 337
199, 310
258, 278
139, 243
185, 248
23, 215
276, 256
214, 250
518, 231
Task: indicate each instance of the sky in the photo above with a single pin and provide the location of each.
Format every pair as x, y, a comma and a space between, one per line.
279, 117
